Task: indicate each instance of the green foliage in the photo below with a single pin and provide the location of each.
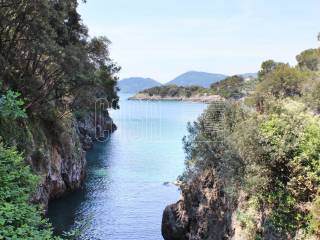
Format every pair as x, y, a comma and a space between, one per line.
284, 151
314, 97
273, 155
207, 145
47, 62
277, 81
283, 81
247, 217
19, 219
309, 60
305, 167
267, 67
315, 216
234, 87
231, 87
47, 56
11, 106
173, 91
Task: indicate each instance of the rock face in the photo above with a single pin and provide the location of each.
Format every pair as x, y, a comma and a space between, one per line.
92, 127
174, 222
58, 154
206, 212
203, 213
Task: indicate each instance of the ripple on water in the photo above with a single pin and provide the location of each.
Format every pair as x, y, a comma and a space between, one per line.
124, 193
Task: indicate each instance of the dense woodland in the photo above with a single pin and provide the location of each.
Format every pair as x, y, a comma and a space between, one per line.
266, 150
50, 70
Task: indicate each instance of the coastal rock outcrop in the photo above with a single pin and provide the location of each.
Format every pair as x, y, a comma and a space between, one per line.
204, 211
94, 126
57, 155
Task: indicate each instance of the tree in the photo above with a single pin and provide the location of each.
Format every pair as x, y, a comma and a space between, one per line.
279, 81
309, 60
231, 87
46, 54
266, 68
11, 106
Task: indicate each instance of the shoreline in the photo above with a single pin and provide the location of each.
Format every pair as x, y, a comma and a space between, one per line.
196, 98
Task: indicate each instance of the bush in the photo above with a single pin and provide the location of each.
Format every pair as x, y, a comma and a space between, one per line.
209, 145
309, 59
315, 217
19, 219
231, 87
281, 159
274, 157
271, 154
11, 106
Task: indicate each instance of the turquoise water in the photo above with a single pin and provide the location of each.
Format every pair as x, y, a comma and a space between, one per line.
124, 193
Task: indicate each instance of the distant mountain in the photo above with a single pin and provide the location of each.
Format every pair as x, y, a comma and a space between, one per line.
136, 84
202, 79
247, 75
191, 78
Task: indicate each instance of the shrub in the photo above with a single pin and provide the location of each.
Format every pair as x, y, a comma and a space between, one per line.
315, 217
231, 87
309, 59
19, 219
11, 106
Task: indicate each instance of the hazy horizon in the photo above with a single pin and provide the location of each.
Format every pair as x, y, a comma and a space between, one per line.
163, 39
130, 77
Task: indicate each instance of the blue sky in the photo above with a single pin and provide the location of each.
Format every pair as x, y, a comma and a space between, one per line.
163, 38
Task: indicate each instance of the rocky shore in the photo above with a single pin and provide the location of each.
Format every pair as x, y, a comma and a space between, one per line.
59, 159
205, 98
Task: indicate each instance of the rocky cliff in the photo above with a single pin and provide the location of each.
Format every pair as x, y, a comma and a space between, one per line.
204, 211
56, 152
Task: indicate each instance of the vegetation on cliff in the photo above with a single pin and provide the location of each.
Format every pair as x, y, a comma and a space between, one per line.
47, 57
18, 218
51, 73
266, 151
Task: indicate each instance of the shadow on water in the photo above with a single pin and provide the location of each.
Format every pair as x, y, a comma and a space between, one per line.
64, 212
124, 194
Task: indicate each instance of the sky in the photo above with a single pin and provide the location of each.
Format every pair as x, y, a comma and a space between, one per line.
161, 39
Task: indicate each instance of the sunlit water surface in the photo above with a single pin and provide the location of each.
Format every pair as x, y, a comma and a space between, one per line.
124, 192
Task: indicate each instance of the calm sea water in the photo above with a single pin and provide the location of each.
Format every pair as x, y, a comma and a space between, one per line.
124, 193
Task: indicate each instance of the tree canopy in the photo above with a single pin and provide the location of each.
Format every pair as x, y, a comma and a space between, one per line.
49, 66
47, 55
